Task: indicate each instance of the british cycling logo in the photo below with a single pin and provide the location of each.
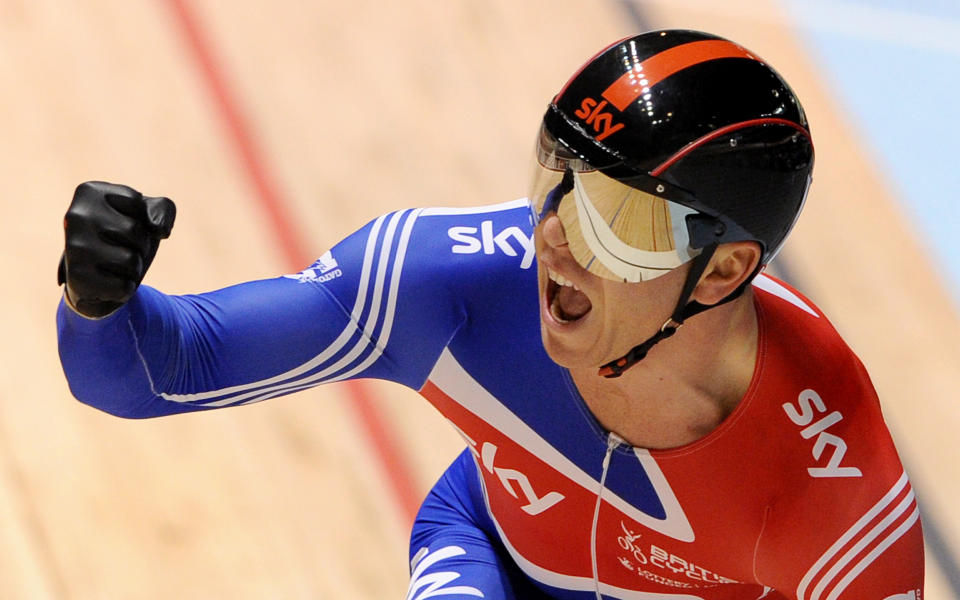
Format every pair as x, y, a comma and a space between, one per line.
641, 557
905, 596
324, 269
489, 242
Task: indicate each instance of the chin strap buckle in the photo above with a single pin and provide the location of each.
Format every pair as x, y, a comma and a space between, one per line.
637, 353
670, 323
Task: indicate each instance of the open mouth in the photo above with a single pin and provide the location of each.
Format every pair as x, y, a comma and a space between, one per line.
567, 303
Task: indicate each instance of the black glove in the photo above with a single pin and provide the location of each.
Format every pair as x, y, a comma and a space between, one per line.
112, 234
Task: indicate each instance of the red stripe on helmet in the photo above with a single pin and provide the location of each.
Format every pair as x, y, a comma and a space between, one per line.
584, 66
644, 75
720, 133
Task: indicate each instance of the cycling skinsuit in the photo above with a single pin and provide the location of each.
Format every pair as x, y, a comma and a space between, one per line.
799, 493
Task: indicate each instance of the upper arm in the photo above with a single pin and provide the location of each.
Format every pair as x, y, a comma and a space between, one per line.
846, 536
376, 305
879, 556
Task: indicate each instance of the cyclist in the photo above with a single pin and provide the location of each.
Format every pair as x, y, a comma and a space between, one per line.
627, 382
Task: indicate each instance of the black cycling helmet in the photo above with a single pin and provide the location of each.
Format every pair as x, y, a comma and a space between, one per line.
670, 143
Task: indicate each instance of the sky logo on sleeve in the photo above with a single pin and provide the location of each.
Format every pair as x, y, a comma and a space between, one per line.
508, 241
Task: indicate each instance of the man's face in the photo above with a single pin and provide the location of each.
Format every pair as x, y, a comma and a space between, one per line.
586, 320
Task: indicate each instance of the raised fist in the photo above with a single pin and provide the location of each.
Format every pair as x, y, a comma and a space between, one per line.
112, 234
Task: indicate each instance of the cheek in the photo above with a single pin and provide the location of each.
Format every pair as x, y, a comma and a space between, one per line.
620, 306
633, 307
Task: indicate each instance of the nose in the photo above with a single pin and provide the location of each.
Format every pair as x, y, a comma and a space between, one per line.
553, 232
553, 249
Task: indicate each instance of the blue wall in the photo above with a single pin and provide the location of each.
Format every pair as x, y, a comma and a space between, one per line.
896, 68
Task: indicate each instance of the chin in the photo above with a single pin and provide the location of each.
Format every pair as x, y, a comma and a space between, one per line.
563, 355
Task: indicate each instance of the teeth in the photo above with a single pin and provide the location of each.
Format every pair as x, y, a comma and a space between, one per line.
561, 280
556, 312
554, 306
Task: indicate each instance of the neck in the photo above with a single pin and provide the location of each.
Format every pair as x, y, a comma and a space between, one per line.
686, 386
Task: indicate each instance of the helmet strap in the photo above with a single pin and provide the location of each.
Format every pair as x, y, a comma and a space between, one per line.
683, 311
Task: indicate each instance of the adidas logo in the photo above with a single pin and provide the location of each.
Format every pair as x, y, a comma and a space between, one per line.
324, 269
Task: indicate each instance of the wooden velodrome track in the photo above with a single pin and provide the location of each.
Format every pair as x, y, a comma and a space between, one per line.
278, 128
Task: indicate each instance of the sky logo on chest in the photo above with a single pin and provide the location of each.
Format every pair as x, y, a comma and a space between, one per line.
549, 468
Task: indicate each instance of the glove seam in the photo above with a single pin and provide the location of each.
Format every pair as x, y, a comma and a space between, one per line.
69, 304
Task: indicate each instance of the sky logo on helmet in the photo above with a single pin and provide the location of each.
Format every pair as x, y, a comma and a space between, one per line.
592, 114
324, 269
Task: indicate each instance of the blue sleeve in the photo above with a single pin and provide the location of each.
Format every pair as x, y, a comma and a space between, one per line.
379, 304
455, 549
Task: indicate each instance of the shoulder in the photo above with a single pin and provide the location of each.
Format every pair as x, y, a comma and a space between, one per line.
823, 385
826, 411
796, 331
785, 300
475, 243
834, 470
835, 441
464, 258
433, 241
496, 230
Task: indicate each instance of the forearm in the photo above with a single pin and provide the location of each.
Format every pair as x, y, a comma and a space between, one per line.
162, 354
104, 366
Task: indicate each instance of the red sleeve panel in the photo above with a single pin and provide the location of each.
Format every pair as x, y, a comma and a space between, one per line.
845, 524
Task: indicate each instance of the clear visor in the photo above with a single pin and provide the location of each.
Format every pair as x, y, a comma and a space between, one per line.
613, 230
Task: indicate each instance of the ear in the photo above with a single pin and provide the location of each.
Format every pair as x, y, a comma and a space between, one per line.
729, 267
